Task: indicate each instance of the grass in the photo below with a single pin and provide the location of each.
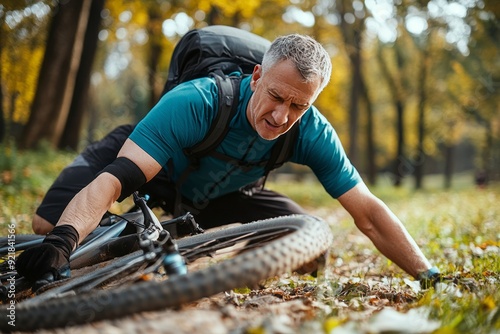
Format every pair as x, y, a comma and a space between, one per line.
457, 229
24, 179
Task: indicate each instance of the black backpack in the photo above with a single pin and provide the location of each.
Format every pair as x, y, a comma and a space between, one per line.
218, 51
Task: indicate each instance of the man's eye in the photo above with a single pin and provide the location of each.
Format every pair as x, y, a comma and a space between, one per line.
300, 106
274, 97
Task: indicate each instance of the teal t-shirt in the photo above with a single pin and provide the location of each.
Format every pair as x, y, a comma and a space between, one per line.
182, 118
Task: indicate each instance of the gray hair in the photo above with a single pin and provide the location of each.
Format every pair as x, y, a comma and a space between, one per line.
308, 55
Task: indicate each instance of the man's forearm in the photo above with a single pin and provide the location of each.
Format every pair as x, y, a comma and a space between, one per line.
87, 208
393, 240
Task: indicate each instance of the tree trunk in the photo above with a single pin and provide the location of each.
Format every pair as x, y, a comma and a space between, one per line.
57, 76
400, 163
71, 82
370, 137
155, 50
487, 154
352, 35
419, 160
400, 160
354, 106
213, 16
448, 165
72, 129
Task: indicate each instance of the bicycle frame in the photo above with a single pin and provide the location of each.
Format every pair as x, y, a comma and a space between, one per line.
153, 239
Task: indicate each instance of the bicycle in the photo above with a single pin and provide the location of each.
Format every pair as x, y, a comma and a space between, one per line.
150, 267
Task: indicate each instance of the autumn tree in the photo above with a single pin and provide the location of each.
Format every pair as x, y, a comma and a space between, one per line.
21, 48
397, 69
351, 26
66, 66
78, 108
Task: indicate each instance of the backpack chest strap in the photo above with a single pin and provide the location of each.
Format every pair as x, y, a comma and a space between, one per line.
245, 166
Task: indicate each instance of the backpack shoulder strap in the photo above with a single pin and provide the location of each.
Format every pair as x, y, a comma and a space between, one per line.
229, 89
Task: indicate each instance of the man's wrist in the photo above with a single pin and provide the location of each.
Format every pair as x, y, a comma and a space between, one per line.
429, 277
64, 237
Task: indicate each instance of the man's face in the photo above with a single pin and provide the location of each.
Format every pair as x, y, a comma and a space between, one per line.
281, 97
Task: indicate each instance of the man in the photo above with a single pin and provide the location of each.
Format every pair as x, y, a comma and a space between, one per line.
278, 93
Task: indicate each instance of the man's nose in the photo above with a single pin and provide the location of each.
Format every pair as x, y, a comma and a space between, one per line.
280, 114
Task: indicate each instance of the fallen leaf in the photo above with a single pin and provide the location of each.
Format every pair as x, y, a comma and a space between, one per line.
415, 321
414, 285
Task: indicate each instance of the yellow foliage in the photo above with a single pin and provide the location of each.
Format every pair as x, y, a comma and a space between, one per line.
333, 100
450, 328
21, 62
141, 18
138, 17
331, 323
138, 10
460, 82
489, 303
229, 8
256, 330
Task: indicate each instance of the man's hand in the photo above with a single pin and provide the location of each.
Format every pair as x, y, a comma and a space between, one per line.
429, 278
50, 257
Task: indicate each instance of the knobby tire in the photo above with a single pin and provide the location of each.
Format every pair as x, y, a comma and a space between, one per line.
308, 240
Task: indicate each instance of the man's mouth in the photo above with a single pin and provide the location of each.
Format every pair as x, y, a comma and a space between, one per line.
272, 125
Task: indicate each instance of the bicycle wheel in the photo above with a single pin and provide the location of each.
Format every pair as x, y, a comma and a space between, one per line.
108, 230
279, 245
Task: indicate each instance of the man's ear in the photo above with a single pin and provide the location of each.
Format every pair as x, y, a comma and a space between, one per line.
256, 75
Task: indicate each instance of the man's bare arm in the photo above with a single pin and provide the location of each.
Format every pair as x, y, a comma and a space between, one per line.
91, 203
384, 229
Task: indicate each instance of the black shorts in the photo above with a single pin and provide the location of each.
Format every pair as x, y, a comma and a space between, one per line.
81, 172
71, 180
235, 207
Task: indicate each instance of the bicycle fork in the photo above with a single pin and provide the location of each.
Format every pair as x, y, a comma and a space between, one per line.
156, 241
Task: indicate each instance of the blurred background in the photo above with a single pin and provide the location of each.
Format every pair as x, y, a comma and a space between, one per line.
415, 89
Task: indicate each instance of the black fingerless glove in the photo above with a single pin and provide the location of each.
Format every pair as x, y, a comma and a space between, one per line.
49, 257
429, 278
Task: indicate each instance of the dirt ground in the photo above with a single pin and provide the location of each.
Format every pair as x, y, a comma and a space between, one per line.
223, 313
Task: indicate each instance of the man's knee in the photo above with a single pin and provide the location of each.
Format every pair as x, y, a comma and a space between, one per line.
41, 226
